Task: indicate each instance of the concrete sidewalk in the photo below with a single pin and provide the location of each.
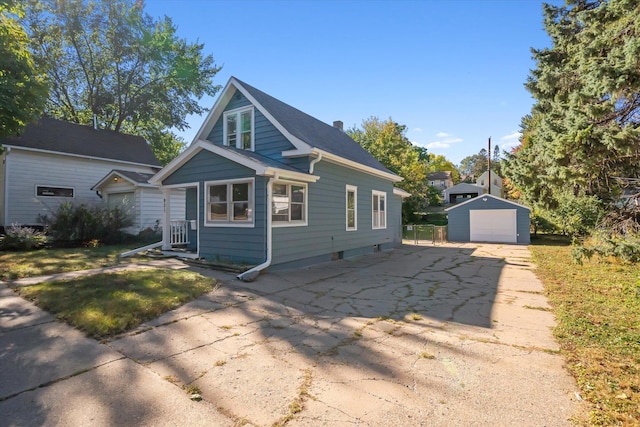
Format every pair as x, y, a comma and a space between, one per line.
446, 335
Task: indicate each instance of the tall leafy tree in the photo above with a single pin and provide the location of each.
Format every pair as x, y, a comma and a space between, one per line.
23, 90
475, 165
111, 60
439, 163
387, 142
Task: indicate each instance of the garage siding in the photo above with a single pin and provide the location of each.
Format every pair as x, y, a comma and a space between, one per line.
459, 223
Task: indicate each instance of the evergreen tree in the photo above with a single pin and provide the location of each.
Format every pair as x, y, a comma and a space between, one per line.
583, 131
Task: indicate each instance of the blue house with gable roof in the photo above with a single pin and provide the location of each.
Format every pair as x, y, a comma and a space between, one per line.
271, 186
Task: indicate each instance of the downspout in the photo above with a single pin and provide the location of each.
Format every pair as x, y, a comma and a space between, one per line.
5, 195
314, 161
251, 274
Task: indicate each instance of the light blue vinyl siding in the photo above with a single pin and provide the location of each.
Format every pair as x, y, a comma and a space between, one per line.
268, 140
234, 244
459, 226
326, 232
395, 215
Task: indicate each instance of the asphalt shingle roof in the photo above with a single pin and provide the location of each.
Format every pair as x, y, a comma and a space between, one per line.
263, 160
439, 175
59, 136
314, 132
137, 177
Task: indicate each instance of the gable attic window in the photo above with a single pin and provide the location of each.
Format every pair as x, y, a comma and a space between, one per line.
229, 203
238, 128
45, 191
289, 206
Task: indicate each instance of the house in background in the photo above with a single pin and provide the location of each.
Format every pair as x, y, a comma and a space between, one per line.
54, 161
271, 186
494, 179
464, 191
441, 180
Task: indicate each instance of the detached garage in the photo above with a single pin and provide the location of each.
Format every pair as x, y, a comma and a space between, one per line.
488, 218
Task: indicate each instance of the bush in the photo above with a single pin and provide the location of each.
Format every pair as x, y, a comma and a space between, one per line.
84, 224
19, 238
625, 248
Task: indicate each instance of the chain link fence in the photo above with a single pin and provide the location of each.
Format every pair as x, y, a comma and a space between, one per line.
424, 234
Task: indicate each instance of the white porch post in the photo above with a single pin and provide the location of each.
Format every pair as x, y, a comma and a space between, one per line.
166, 220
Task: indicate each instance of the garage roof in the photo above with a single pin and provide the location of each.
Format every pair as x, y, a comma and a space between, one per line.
488, 195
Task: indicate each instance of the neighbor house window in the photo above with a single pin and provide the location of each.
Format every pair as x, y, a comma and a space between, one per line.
352, 207
378, 209
45, 191
238, 128
289, 205
229, 203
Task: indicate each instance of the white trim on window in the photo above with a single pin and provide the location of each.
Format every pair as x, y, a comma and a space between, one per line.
378, 210
229, 203
284, 202
351, 189
238, 116
55, 191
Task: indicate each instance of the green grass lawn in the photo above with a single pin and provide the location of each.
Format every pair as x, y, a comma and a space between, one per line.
597, 306
16, 265
104, 305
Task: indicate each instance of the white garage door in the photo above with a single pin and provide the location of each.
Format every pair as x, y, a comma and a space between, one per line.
493, 225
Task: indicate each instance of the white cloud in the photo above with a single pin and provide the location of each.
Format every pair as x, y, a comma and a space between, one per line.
437, 144
442, 135
510, 141
443, 143
512, 136
417, 129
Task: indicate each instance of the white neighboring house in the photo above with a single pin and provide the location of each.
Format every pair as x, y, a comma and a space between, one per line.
54, 161
496, 183
464, 191
132, 192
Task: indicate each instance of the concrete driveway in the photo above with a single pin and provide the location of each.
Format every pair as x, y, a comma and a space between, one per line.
456, 334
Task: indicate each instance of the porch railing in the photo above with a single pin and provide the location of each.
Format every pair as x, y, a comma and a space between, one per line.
179, 232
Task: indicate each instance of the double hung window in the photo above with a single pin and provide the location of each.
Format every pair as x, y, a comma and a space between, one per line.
229, 202
352, 208
238, 128
289, 206
378, 209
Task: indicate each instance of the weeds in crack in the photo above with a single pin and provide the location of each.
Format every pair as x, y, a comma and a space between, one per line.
535, 307
415, 316
426, 355
297, 405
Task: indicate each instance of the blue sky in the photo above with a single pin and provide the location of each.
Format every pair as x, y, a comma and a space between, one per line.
452, 72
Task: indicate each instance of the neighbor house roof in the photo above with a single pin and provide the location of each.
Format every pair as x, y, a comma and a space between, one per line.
135, 178
305, 132
477, 199
439, 175
464, 188
52, 135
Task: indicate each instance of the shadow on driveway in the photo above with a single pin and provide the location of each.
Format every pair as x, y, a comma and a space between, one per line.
453, 334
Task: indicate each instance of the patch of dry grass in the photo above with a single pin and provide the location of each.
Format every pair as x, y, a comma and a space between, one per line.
597, 305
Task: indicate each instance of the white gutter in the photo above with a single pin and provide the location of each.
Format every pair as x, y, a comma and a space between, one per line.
250, 275
314, 161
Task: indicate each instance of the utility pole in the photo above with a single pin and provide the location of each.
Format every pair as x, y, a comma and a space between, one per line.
489, 164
